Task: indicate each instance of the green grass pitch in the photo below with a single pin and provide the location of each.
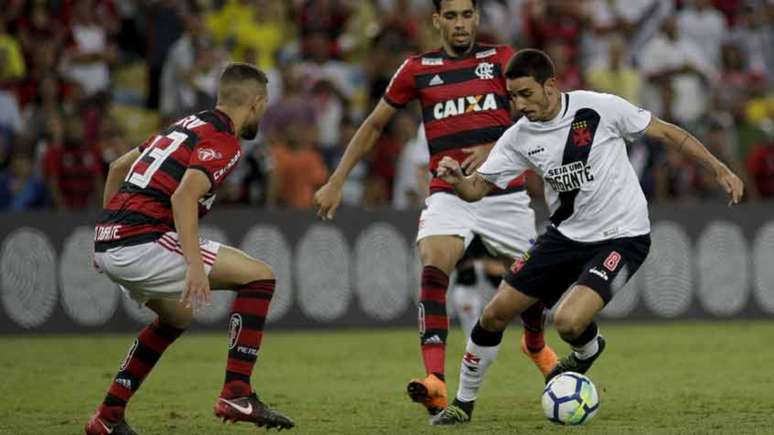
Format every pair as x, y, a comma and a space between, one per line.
679, 378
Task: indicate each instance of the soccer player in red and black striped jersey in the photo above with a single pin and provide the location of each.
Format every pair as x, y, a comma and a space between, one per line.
465, 108
147, 241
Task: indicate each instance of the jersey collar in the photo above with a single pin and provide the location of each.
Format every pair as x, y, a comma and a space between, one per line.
226, 119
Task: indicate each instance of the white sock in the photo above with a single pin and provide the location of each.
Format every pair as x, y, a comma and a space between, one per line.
474, 365
587, 350
466, 303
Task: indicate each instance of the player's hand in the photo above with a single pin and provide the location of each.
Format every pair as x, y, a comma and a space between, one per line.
731, 184
476, 157
197, 288
327, 199
449, 170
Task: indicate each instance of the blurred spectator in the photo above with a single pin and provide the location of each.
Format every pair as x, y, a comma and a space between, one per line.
754, 32
164, 27
37, 26
73, 169
670, 58
383, 161
20, 188
10, 124
325, 18
354, 185
760, 166
412, 178
89, 52
176, 94
553, 20
615, 76
299, 169
46, 107
568, 76
704, 26
11, 59
330, 107
736, 77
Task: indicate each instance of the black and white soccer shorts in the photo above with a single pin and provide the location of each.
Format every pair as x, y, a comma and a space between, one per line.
555, 263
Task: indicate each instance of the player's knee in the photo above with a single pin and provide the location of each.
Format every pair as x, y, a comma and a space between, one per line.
261, 271
568, 325
494, 319
180, 319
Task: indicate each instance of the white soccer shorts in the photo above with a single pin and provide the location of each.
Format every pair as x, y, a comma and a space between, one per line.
505, 223
152, 270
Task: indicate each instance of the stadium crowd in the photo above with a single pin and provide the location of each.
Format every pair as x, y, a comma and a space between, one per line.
83, 81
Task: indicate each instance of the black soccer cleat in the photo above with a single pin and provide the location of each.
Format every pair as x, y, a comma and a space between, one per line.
98, 426
251, 409
455, 414
572, 363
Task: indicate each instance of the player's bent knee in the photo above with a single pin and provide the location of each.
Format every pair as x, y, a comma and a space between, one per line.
569, 326
261, 271
494, 319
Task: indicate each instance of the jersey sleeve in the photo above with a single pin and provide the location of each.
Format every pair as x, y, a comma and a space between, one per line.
216, 158
629, 120
401, 89
504, 162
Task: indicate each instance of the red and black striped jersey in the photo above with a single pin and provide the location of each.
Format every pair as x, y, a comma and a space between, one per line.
141, 210
464, 101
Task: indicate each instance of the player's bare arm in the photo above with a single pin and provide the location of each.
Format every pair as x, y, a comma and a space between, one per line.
119, 168
471, 188
679, 139
185, 205
328, 197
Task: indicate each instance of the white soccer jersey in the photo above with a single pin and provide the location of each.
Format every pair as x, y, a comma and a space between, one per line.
591, 188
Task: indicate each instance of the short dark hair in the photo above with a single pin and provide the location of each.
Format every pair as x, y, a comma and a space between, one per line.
239, 72
233, 81
529, 62
437, 4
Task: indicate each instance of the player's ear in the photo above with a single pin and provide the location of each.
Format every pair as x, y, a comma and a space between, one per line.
436, 21
550, 86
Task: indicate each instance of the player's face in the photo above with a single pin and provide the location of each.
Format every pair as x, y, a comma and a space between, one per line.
258, 108
531, 98
458, 22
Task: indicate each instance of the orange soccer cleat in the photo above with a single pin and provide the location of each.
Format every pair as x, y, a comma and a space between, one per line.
430, 391
545, 359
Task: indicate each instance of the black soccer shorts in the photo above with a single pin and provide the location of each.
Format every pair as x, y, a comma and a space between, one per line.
555, 263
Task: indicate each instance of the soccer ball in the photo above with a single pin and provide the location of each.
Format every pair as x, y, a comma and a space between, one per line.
570, 398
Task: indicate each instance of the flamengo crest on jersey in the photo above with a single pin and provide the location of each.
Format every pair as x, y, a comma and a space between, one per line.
591, 188
141, 211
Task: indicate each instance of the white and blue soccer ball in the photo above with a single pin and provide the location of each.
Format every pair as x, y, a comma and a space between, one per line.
570, 398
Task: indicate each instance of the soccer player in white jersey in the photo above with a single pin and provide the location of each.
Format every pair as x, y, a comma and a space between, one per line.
599, 233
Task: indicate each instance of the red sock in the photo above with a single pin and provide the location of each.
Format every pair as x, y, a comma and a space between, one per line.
433, 322
248, 314
533, 320
143, 355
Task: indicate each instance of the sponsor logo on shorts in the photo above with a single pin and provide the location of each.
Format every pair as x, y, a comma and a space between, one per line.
125, 362
600, 273
235, 328
612, 260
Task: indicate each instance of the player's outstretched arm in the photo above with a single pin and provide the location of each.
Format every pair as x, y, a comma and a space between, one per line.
328, 197
470, 188
119, 168
185, 210
679, 139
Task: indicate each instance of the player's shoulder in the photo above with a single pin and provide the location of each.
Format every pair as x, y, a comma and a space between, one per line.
428, 58
598, 100
513, 135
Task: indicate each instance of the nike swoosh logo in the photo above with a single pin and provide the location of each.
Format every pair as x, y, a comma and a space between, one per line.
108, 429
247, 410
